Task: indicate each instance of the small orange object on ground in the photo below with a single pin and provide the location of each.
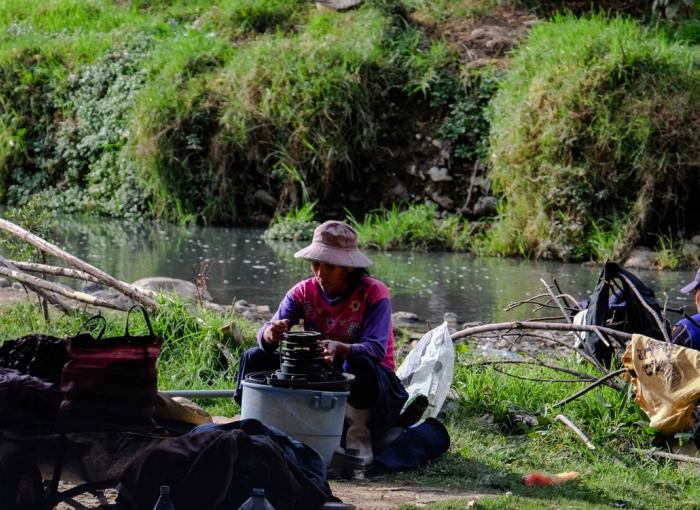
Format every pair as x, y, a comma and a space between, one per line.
541, 478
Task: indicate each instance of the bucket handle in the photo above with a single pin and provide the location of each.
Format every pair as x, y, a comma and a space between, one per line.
324, 401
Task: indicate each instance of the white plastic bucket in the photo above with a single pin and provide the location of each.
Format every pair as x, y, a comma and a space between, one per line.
313, 417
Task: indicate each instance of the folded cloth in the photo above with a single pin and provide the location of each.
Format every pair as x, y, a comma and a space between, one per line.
413, 447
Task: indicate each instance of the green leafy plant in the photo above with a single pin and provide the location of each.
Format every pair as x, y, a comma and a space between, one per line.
296, 225
466, 124
414, 227
669, 254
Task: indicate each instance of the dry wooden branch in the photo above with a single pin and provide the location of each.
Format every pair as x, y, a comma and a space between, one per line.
588, 388
535, 379
546, 326
49, 297
583, 353
556, 300
59, 289
642, 301
582, 376
666, 455
128, 290
566, 421
34, 267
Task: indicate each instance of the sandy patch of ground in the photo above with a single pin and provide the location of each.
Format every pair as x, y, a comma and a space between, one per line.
365, 495
372, 496
11, 296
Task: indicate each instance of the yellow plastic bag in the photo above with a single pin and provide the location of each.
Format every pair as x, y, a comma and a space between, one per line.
666, 378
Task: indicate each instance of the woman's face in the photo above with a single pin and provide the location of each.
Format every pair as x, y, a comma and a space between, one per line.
332, 279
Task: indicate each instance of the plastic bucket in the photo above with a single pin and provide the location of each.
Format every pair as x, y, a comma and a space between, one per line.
311, 416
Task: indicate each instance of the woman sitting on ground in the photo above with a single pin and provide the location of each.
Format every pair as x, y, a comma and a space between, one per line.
352, 311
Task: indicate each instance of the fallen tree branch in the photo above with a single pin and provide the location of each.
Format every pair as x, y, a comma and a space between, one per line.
59, 289
34, 267
566, 421
546, 326
50, 298
582, 352
643, 302
556, 300
589, 388
128, 290
666, 455
536, 379
582, 376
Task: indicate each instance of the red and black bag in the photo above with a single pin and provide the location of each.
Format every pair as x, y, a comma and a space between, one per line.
111, 379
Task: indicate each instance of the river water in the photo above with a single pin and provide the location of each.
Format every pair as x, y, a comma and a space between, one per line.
243, 266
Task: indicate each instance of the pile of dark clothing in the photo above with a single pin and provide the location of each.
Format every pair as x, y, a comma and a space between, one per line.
217, 466
30, 376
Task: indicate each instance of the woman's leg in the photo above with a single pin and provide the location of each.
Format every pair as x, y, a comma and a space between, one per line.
254, 360
375, 401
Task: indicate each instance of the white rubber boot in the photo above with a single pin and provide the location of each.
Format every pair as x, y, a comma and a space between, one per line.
358, 436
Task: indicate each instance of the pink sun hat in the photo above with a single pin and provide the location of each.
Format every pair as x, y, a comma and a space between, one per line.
335, 242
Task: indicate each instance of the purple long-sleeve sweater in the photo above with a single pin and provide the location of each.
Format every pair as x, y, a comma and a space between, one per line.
362, 317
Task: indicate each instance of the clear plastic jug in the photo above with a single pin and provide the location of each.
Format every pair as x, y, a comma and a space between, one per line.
257, 501
164, 502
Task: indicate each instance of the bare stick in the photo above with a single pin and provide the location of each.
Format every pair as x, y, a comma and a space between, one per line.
554, 297
34, 267
536, 379
589, 387
40, 292
60, 289
648, 308
547, 326
74, 261
666, 455
566, 421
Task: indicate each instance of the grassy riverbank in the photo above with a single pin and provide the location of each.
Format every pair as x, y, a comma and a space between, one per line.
491, 449
528, 132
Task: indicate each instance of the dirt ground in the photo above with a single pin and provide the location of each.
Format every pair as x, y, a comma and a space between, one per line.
365, 495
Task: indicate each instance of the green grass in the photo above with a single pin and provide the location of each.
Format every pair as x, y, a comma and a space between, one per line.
190, 357
581, 131
179, 109
489, 454
296, 225
414, 227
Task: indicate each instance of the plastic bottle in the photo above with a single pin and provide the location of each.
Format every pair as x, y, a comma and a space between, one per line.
164, 502
257, 501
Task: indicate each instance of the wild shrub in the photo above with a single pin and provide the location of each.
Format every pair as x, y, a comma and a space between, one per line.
597, 119
296, 225
415, 227
286, 112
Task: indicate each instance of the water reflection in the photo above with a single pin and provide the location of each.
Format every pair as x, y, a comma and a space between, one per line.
242, 266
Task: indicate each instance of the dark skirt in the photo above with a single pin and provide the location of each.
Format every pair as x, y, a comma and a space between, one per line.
375, 386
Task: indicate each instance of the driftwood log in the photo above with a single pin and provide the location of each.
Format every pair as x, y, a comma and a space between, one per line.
80, 270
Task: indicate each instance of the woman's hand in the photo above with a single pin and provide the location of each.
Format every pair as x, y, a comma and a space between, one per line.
332, 350
273, 335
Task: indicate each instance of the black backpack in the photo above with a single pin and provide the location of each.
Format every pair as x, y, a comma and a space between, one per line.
637, 310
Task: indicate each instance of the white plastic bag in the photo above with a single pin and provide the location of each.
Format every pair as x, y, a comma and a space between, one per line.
429, 367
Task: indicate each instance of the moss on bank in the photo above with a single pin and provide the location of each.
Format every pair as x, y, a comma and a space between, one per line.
179, 109
239, 111
594, 134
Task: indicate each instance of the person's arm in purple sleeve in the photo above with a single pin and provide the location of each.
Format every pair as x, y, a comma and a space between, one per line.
288, 310
375, 331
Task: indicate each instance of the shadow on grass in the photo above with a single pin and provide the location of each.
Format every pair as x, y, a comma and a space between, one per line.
456, 472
